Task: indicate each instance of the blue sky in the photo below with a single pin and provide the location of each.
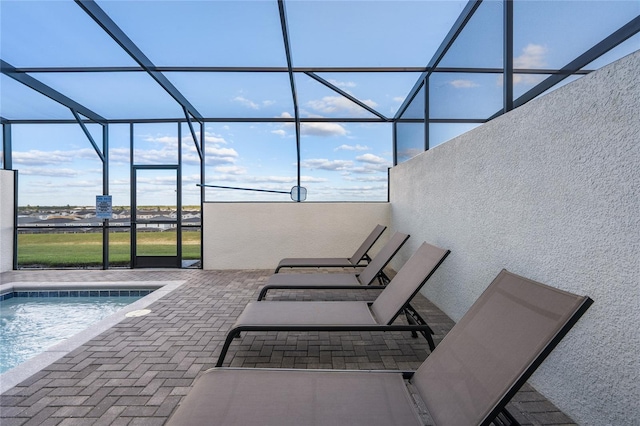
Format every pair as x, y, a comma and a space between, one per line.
339, 161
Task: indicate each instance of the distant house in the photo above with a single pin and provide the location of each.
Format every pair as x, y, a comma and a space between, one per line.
160, 223
84, 213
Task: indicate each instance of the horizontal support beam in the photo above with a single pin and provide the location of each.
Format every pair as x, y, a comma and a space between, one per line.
261, 120
10, 71
464, 70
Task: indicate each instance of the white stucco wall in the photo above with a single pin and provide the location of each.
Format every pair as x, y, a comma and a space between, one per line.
258, 235
550, 191
6, 220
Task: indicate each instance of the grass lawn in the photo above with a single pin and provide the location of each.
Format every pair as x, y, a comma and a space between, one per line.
74, 250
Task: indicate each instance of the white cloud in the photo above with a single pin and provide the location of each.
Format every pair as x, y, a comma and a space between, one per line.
232, 170
369, 169
313, 129
273, 179
371, 164
279, 132
218, 155
191, 158
190, 179
325, 164
323, 129
252, 104
372, 159
399, 99
352, 148
246, 102
187, 139
266, 181
72, 184
359, 189
155, 156
164, 140
119, 155
214, 152
463, 84
343, 84
309, 179
332, 104
533, 56
366, 178
212, 138
409, 153
49, 172
530, 79
40, 158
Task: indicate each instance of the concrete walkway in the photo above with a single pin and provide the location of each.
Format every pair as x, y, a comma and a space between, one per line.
137, 372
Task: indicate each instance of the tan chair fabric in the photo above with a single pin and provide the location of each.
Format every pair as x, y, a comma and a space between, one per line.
301, 397
354, 260
292, 314
367, 244
407, 282
366, 277
491, 347
320, 262
383, 257
313, 280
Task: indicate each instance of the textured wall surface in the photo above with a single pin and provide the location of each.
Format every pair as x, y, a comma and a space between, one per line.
550, 191
6, 220
235, 239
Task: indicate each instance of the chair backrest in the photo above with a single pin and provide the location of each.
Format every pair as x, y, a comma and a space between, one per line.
367, 244
407, 282
383, 257
496, 346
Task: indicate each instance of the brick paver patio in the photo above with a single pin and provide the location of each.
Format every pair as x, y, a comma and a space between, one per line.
137, 372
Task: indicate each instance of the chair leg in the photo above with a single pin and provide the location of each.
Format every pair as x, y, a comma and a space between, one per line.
504, 418
383, 279
263, 293
232, 335
413, 317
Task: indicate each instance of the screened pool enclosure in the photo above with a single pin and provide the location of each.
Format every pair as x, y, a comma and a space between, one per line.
165, 105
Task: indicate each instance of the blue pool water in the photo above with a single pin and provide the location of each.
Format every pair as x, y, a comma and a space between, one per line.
30, 325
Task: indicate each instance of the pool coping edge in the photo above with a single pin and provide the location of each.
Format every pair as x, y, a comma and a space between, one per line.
23, 371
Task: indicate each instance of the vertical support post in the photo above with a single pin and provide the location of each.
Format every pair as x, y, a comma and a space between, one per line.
298, 180
15, 220
508, 56
394, 142
179, 198
426, 113
292, 82
7, 163
388, 185
202, 181
132, 199
105, 191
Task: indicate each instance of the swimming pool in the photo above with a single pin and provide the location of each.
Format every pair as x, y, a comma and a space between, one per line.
30, 325
146, 292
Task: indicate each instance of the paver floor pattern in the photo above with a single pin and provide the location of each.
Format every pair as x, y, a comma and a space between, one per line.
137, 372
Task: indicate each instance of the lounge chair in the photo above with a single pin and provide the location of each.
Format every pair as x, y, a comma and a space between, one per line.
476, 369
363, 280
347, 315
354, 261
